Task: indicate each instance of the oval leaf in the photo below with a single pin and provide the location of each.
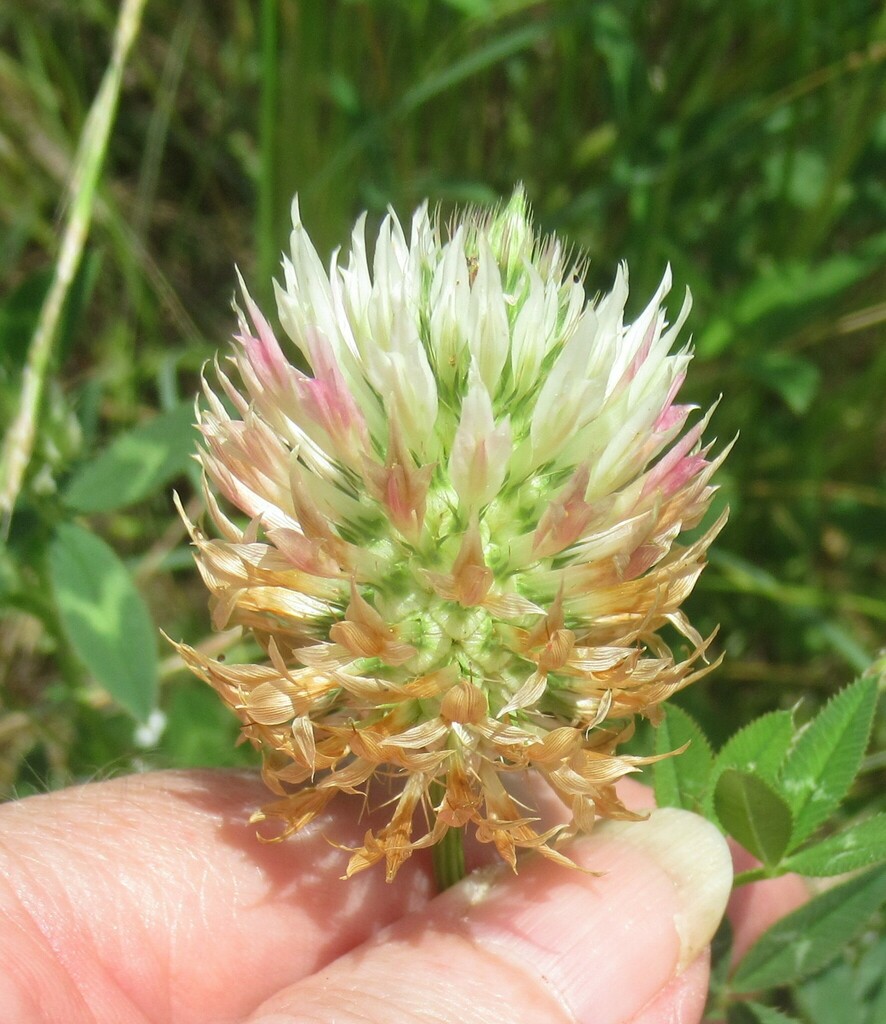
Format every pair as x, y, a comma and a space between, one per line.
136, 464
751, 811
813, 936
104, 617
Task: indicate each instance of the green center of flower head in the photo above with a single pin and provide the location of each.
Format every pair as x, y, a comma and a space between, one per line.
458, 534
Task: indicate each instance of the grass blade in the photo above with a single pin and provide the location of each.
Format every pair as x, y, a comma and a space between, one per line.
19, 441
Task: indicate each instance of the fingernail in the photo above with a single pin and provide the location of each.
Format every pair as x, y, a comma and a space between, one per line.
696, 858
605, 945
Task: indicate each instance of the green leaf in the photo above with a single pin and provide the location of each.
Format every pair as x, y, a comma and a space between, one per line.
831, 995
200, 729
820, 769
876, 998
19, 312
813, 936
722, 945
792, 285
682, 781
104, 617
795, 380
870, 977
136, 464
860, 846
768, 1015
754, 814
759, 748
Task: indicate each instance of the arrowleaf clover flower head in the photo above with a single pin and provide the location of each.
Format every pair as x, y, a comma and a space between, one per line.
456, 536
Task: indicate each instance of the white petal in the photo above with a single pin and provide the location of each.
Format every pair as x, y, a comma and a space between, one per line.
449, 301
568, 398
489, 336
481, 448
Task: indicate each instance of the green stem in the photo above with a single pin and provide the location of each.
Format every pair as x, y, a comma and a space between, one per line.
88, 161
449, 859
753, 875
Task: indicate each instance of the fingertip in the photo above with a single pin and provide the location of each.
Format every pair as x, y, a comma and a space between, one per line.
683, 999
696, 858
660, 895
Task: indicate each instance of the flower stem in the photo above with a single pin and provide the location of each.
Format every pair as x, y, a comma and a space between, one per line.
449, 859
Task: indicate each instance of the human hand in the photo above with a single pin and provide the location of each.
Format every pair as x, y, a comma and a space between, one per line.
148, 899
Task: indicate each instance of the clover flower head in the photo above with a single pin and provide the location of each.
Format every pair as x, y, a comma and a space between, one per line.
455, 535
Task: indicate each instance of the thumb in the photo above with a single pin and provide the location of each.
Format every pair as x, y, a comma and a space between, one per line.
547, 945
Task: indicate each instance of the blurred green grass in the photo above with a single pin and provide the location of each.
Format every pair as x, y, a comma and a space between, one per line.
744, 143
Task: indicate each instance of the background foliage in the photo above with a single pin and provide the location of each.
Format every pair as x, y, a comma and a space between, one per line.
744, 143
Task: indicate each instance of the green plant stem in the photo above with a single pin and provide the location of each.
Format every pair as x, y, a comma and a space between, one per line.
449, 859
752, 875
88, 161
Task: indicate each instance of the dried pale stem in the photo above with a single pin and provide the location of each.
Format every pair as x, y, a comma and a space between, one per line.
19, 441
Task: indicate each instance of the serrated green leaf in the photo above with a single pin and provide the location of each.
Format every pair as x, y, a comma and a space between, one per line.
753, 813
768, 1014
759, 748
136, 464
860, 846
682, 781
811, 937
104, 617
819, 771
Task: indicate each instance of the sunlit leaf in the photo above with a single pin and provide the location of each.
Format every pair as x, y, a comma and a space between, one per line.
136, 464
822, 765
104, 617
760, 747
